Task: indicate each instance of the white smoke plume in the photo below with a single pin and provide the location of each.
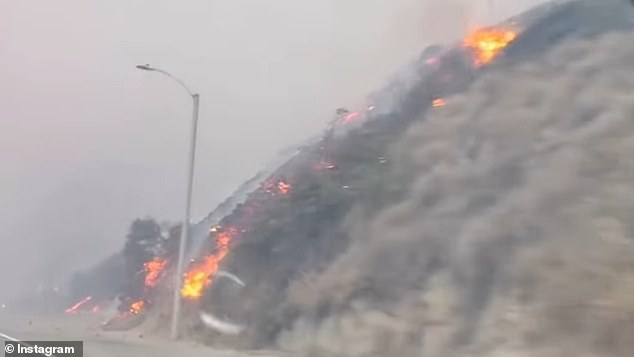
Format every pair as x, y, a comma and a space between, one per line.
514, 235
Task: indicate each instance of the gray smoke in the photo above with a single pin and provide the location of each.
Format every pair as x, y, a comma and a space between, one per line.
514, 236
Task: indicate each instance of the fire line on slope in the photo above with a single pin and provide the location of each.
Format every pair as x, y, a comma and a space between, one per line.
199, 276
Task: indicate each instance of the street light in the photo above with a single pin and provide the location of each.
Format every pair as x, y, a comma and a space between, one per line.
190, 178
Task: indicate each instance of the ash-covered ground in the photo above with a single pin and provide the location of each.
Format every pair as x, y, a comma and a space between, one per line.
497, 225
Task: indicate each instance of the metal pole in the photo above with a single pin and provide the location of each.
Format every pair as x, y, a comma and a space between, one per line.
180, 264
175, 333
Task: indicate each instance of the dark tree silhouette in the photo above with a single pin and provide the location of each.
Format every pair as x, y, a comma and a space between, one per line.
143, 242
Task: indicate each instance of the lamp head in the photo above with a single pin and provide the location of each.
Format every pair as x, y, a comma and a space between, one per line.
145, 67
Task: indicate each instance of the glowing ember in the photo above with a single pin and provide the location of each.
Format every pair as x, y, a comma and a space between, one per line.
73, 309
350, 117
95, 309
280, 186
438, 102
153, 270
199, 276
284, 187
487, 43
136, 307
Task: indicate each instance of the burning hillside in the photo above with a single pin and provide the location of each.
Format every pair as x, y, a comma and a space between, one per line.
512, 232
357, 245
448, 223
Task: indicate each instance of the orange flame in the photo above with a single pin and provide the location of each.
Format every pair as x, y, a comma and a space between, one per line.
199, 276
73, 309
284, 187
153, 270
488, 43
136, 307
438, 102
280, 186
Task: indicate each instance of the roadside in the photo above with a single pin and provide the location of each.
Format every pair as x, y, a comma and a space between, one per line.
98, 343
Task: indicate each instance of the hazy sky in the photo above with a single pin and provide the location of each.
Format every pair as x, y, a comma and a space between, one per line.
88, 143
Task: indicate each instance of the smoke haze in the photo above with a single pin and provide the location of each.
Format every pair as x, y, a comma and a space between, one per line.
514, 236
88, 143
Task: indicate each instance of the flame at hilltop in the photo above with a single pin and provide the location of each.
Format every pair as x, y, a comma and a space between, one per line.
486, 44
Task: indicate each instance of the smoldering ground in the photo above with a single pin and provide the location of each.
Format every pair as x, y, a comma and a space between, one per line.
514, 237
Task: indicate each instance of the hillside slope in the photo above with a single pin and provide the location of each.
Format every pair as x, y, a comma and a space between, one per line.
498, 223
481, 205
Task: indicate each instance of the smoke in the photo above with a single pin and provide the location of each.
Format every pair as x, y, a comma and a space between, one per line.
514, 233
269, 73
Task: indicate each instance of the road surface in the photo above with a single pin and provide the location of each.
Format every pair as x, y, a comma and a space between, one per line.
98, 343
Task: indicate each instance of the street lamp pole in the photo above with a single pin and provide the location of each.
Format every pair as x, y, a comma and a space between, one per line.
180, 264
